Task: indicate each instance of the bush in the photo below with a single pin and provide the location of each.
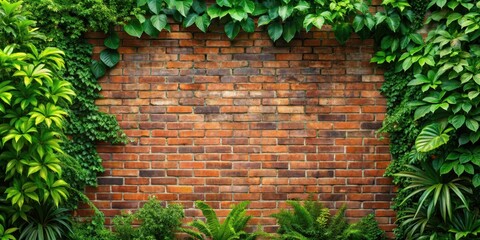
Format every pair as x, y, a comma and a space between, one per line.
155, 222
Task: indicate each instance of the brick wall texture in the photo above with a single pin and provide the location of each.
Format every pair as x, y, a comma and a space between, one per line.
227, 121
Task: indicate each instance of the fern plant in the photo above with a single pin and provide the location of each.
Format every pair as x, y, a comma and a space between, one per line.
232, 228
313, 221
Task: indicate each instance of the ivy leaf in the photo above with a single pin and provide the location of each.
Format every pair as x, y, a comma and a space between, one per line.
447, 167
224, 3
472, 124
302, 6
183, 6
285, 11
264, 20
431, 137
248, 6
134, 28
110, 57
159, 21
457, 121
358, 23
190, 19
98, 69
238, 14
476, 180
232, 29
248, 25
342, 32
289, 31
275, 31
202, 22
112, 41
199, 6
150, 29
155, 5
393, 22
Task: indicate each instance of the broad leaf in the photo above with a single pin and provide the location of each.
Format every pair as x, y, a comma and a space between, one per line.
159, 21
134, 28
110, 57
431, 137
98, 68
112, 41
232, 29
275, 31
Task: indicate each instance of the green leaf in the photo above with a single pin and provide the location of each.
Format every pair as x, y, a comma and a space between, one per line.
98, 68
110, 57
472, 124
275, 31
224, 3
112, 41
248, 25
263, 20
134, 28
431, 137
190, 19
238, 14
393, 21
159, 21
447, 167
476, 180
232, 29
342, 32
457, 121
155, 5
183, 6
289, 31
149, 28
358, 23
202, 22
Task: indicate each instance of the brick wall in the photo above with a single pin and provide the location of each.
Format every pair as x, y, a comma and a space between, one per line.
226, 121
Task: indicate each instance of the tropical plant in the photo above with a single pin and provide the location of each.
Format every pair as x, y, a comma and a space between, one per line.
233, 227
313, 221
46, 222
34, 105
155, 222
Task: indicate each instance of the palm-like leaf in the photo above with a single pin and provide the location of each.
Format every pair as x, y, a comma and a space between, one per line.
436, 191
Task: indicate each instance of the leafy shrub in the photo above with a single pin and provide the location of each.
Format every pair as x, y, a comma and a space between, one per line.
313, 221
155, 222
46, 222
233, 227
34, 103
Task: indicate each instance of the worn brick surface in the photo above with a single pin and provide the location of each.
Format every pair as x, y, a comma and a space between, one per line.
226, 121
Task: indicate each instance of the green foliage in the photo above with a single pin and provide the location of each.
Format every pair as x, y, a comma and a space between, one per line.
46, 222
35, 102
65, 22
233, 227
94, 229
313, 221
71, 18
156, 222
442, 70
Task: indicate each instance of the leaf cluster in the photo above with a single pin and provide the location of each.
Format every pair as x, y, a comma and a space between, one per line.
155, 222
233, 227
313, 221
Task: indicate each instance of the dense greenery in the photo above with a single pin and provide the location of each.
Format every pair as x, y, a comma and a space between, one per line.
34, 105
432, 91
63, 23
233, 227
313, 221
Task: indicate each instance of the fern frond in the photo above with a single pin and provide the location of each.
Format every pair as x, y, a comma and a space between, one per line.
338, 223
202, 227
194, 234
302, 216
211, 217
